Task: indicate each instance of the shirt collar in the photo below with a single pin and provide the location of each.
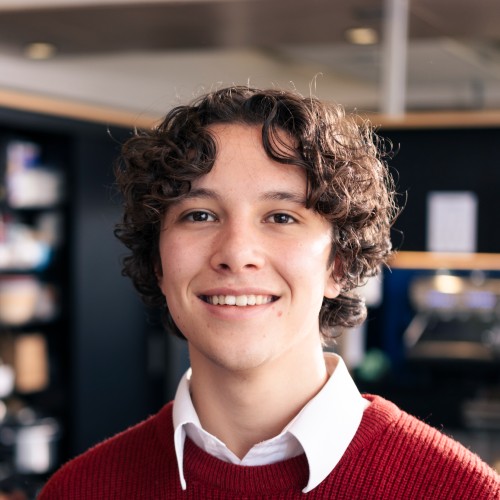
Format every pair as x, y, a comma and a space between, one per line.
183, 413
327, 424
324, 428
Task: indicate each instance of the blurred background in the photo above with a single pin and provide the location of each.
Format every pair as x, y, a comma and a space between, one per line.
81, 359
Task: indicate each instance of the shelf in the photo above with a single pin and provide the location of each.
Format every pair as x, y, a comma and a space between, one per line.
452, 261
438, 119
66, 108
107, 114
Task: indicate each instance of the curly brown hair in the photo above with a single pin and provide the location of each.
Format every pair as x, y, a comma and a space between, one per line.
348, 183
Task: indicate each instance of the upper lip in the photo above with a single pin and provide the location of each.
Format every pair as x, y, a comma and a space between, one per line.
237, 291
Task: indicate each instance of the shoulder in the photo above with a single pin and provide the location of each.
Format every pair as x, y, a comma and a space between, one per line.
412, 451
134, 453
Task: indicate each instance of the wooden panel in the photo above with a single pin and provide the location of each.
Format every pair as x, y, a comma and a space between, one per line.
73, 109
438, 119
457, 261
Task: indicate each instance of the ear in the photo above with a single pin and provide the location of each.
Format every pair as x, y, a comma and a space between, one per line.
158, 270
332, 287
333, 283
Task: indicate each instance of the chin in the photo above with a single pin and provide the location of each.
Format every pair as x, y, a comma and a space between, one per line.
239, 362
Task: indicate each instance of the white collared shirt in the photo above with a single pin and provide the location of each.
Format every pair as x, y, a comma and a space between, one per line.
322, 430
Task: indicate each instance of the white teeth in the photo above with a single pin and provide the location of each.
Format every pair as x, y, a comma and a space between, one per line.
230, 300
238, 300
241, 300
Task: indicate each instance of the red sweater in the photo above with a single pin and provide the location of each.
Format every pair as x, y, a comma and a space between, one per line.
392, 456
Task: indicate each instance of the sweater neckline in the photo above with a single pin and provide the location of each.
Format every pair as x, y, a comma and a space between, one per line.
202, 468
292, 474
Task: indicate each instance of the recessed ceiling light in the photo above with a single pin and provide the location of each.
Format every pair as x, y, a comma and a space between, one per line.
39, 50
362, 36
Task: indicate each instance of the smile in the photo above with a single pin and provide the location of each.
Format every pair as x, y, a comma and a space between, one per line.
238, 300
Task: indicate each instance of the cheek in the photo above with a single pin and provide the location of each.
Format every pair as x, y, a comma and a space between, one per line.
304, 273
171, 265
313, 256
307, 265
182, 262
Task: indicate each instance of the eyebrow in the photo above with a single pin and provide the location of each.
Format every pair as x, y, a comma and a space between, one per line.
291, 196
297, 198
202, 193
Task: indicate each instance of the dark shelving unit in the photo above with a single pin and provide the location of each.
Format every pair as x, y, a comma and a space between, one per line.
96, 342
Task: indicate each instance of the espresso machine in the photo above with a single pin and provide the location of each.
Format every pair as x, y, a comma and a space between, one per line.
456, 329
457, 318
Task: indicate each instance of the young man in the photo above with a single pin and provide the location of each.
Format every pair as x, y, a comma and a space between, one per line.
251, 216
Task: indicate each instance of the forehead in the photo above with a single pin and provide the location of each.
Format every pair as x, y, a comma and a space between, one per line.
241, 158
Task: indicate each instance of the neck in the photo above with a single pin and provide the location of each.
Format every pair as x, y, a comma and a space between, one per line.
243, 408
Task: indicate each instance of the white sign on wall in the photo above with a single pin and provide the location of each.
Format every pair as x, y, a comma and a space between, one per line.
452, 221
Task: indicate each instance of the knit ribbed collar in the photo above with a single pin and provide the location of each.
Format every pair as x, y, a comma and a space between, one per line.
323, 429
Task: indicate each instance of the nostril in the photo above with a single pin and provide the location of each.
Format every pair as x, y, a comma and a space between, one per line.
228, 256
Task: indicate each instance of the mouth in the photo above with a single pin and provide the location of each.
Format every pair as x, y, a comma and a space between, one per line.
238, 300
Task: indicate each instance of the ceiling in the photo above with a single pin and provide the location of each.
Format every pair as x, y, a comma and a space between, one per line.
144, 56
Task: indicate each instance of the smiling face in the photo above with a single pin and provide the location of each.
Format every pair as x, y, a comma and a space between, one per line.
244, 264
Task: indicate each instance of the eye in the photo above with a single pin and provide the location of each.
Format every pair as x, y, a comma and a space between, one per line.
281, 218
199, 216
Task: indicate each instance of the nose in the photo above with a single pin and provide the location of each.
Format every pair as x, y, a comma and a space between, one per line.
238, 247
